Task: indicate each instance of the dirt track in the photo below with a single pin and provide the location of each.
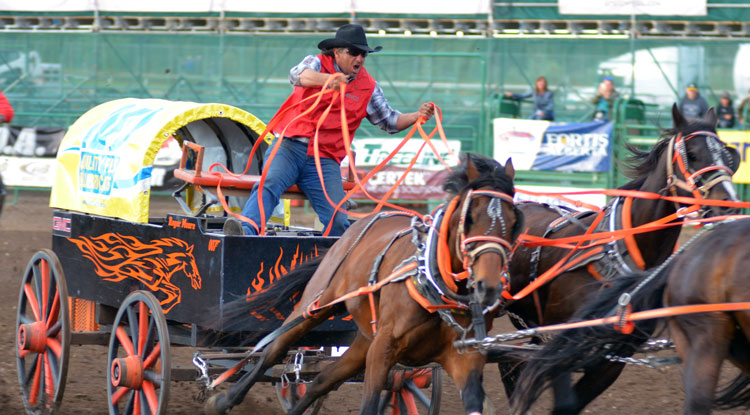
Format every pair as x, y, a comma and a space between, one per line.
26, 228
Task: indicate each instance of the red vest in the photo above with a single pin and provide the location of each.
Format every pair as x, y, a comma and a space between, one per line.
330, 140
5, 108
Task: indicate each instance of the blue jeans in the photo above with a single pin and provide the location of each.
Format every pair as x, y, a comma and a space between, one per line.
291, 166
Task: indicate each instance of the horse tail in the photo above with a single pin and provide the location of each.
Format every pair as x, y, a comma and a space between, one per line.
288, 288
582, 348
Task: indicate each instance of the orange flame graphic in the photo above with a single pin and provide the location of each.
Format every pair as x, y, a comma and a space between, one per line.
118, 257
264, 281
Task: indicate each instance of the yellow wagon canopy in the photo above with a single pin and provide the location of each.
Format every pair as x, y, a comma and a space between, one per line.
105, 160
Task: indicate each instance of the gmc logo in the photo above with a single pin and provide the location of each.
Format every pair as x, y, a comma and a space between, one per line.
61, 224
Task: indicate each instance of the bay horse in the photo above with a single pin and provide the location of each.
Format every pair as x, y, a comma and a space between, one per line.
711, 270
472, 236
688, 160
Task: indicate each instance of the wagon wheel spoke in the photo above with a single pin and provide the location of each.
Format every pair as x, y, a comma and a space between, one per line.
150, 394
133, 329
415, 392
31, 299
54, 365
52, 318
28, 377
143, 326
54, 330
131, 401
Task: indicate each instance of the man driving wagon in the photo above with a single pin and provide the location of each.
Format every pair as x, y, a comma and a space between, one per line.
294, 162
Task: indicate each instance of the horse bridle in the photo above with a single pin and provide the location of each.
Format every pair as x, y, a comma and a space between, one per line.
472, 247
694, 182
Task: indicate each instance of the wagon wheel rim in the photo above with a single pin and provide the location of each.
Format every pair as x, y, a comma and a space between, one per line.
291, 393
42, 334
138, 362
411, 399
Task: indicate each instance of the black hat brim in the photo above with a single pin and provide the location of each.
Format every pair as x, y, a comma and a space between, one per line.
339, 43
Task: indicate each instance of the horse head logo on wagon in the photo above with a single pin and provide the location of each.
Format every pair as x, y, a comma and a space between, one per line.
119, 257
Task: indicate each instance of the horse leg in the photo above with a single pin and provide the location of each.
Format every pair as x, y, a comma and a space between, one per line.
703, 343
380, 359
272, 354
346, 366
564, 398
510, 369
594, 381
739, 348
466, 371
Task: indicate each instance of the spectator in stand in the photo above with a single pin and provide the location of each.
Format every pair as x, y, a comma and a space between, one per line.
725, 111
741, 110
544, 100
6, 110
604, 100
692, 104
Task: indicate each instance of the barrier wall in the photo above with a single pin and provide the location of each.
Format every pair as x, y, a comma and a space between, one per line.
52, 78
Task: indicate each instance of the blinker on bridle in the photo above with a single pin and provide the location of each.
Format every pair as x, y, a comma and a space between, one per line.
693, 182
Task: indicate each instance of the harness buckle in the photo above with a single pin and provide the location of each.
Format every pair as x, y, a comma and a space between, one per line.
299, 358
202, 366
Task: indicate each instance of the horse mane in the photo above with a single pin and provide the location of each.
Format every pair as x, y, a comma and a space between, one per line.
641, 163
491, 173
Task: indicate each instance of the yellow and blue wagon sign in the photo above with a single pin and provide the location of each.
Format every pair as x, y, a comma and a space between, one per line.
105, 159
740, 140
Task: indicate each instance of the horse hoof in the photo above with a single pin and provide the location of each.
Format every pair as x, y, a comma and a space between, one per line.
216, 405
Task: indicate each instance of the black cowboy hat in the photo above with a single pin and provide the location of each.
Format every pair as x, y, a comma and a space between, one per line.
349, 35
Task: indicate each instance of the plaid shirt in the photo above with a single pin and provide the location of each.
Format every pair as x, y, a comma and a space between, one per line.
379, 112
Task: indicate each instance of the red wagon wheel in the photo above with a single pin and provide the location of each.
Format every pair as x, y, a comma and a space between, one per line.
139, 358
290, 393
42, 334
406, 396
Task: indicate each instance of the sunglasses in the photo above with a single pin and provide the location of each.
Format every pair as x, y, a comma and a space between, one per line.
356, 52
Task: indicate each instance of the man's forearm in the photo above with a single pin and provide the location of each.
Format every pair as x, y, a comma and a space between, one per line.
405, 121
311, 78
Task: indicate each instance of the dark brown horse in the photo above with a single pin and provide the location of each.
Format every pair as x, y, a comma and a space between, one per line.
472, 239
711, 270
691, 153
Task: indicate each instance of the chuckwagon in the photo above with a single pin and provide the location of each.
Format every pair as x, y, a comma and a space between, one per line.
141, 284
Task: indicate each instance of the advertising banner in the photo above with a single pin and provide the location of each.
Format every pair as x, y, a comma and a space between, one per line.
372, 151
423, 182
541, 145
741, 141
30, 141
28, 171
634, 7
592, 199
418, 185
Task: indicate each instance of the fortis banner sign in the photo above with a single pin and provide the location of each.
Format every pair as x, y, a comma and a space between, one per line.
541, 145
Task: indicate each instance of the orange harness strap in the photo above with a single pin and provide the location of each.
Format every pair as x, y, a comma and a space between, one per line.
554, 271
627, 223
650, 314
443, 252
365, 290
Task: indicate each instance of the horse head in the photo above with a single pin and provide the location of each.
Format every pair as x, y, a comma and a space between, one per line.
699, 164
483, 224
185, 262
